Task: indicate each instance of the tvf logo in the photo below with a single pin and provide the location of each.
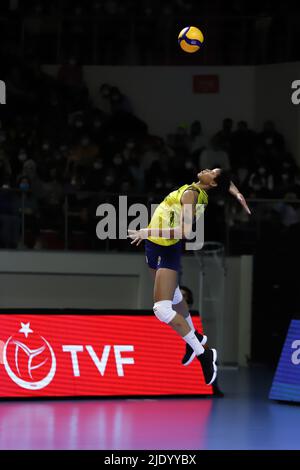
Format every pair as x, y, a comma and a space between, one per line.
100, 362
2, 92
30, 360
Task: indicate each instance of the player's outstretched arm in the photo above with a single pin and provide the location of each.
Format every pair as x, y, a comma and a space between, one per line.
138, 236
235, 192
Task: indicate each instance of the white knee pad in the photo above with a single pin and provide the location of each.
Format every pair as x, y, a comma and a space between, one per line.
177, 296
163, 311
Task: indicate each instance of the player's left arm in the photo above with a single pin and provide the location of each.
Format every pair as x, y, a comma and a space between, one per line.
236, 193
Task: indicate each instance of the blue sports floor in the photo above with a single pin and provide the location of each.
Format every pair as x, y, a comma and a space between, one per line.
243, 419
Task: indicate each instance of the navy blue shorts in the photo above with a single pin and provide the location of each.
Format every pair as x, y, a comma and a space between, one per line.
158, 256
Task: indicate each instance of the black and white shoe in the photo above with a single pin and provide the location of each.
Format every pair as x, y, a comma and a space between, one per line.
189, 352
208, 363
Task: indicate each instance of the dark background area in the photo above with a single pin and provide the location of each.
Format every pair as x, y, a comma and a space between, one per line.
107, 31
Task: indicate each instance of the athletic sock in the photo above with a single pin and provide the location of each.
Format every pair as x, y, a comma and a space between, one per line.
194, 342
190, 322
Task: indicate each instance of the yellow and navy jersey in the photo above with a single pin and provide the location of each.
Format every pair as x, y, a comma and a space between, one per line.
167, 214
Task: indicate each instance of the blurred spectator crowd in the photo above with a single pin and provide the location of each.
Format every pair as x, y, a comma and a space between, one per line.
64, 154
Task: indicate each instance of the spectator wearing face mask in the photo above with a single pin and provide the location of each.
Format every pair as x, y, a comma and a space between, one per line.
110, 183
30, 170
77, 127
261, 183
285, 183
95, 176
98, 129
85, 152
46, 158
129, 152
118, 163
21, 158
44, 154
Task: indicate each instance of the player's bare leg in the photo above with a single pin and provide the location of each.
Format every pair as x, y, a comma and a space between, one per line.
180, 307
164, 288
165, 285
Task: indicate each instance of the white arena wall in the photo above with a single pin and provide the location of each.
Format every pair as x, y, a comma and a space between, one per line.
163, 96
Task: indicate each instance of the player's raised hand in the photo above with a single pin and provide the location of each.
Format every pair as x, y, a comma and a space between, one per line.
243, 202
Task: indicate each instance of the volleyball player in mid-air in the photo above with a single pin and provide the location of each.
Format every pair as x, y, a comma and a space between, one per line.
171, 222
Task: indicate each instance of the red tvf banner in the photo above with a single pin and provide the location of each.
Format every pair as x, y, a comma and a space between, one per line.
94, 355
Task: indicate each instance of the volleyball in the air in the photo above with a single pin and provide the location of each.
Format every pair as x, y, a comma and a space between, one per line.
190, 39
